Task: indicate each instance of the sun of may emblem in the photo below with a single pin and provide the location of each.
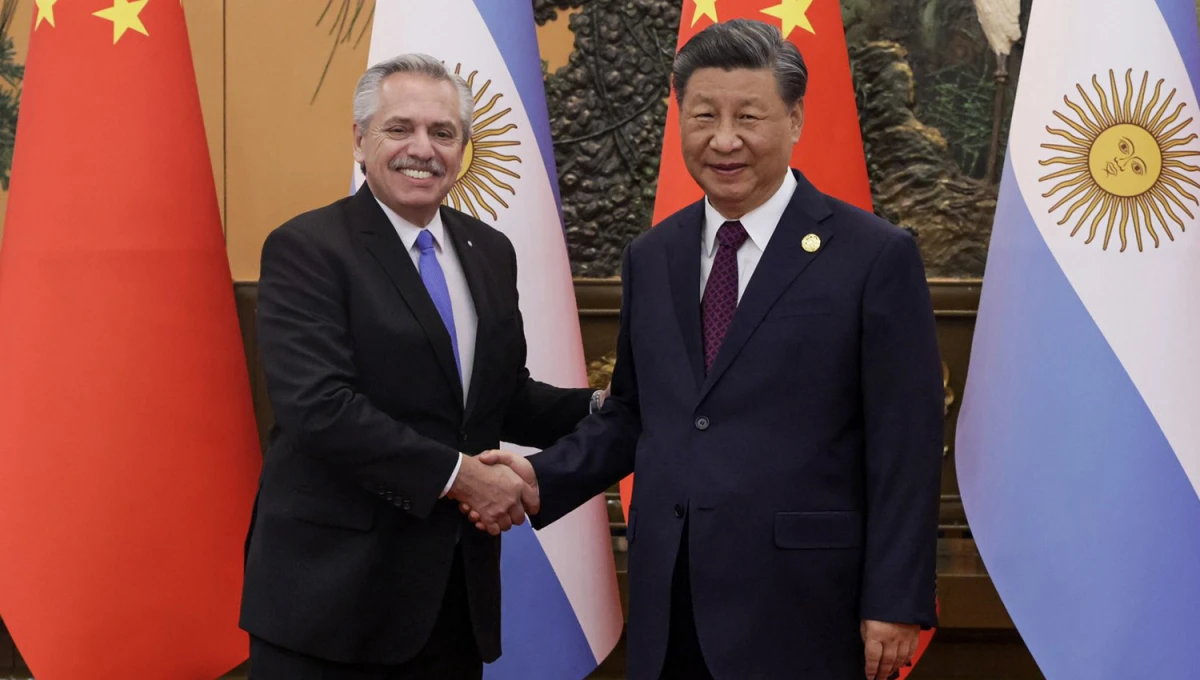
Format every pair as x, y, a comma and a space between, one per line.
481, 167
1124, 159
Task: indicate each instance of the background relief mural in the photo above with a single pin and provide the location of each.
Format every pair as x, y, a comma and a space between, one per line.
934, 102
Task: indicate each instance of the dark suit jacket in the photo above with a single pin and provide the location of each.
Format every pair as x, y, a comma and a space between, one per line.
350, 548
806, 463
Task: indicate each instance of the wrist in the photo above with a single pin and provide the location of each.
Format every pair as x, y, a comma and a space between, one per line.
462, 478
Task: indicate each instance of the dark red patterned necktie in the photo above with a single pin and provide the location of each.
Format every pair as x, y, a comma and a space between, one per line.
721, 292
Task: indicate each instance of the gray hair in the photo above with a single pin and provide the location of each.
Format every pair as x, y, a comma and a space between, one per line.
366, 95
743, 43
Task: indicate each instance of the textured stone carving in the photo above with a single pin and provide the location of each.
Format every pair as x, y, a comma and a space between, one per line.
607, 113
608, 109
913, 181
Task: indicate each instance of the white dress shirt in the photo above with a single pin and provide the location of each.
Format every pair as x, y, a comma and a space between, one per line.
760, 225
466, 320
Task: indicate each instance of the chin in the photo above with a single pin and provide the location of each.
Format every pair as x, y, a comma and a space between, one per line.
725, 193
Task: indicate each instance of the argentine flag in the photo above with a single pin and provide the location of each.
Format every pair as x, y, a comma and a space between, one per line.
1078, 447
561, 613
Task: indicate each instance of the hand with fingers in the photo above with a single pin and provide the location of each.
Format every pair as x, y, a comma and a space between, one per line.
497, 497
888, 647
516, 464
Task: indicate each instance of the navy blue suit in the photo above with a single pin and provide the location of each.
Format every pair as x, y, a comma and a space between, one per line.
804, 467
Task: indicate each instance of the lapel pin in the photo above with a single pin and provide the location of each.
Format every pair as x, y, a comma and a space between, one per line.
811, 243
470, 245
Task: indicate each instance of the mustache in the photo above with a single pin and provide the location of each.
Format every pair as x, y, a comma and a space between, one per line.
409, 163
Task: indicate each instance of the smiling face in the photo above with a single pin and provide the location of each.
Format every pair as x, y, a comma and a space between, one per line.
737, 136
412, 147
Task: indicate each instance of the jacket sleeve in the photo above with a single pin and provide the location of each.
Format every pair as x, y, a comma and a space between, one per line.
600, 452
902, 409
308, 357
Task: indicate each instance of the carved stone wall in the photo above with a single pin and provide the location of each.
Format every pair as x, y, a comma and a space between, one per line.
927, 123
607, 113
914, 181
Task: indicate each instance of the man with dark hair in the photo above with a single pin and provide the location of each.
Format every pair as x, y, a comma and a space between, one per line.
778, 393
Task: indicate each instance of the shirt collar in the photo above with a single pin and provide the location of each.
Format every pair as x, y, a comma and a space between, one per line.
760, 223
408, 231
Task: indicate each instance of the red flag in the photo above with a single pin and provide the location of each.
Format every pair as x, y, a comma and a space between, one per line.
830, 151
128, 446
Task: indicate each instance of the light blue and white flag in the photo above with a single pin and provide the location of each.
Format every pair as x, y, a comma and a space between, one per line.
561, 613
1078, 447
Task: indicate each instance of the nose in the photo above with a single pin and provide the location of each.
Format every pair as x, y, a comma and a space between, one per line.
420, 146
725, 139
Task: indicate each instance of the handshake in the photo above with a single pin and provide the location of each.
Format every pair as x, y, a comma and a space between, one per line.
495, 490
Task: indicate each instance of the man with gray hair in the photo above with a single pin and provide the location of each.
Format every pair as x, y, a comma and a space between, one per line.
393, 349
778, 395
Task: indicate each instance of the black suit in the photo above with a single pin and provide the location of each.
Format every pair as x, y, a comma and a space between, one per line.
790, 491
351, 548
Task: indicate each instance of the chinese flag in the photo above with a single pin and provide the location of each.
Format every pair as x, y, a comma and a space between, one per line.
830, 151
128, 448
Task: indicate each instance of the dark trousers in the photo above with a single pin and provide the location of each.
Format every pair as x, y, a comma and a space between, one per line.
685, 661
450, 653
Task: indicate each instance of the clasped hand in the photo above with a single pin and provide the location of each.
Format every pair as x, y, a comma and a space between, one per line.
495, 490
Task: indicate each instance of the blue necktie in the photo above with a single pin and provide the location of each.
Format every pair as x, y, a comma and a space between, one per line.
435, 283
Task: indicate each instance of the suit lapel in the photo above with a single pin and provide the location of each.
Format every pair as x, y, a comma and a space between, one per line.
385, 246
782, 262
683, 263
475, 268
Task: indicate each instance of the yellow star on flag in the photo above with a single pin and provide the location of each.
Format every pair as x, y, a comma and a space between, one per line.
45, 9
124, 15
792, 14
705, 8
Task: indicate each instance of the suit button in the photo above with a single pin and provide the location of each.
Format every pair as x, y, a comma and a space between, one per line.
678, 510
702, 423
406, 505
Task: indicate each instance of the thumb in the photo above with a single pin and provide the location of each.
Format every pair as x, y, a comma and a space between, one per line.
531, 500
496, 456
491, 457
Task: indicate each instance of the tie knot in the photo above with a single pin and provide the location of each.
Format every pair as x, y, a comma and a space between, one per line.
425, 241
731, 235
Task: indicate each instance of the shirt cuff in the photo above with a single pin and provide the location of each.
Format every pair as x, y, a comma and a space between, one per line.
453, 476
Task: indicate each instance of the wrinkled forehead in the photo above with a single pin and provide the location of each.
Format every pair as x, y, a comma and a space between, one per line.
735, 87
418, 100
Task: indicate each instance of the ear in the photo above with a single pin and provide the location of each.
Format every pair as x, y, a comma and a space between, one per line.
359, 156
797, 119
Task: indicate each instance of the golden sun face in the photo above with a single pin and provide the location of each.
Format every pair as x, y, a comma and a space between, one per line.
1122, 159
478, 180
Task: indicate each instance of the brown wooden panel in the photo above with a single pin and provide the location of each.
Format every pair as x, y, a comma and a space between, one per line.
599, 303
955, 305
7, 651
977, 655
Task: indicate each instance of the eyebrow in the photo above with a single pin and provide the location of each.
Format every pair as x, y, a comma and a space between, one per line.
402, 120
702, 99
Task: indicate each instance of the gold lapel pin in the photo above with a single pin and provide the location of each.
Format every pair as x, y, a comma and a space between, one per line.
811, 243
